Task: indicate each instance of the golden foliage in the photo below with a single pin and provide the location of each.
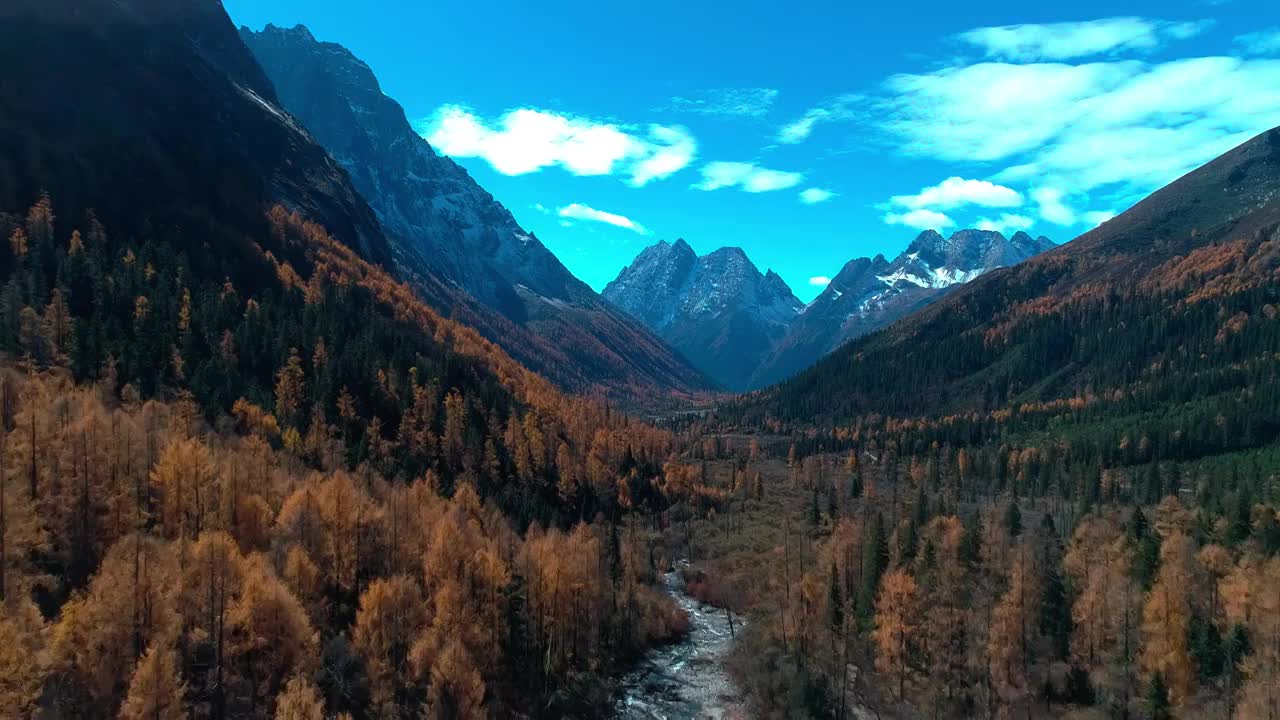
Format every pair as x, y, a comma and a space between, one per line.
896, 626
155, 692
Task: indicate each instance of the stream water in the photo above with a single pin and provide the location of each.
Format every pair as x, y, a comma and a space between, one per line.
685, 680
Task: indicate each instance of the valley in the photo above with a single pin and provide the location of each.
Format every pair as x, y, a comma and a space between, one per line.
299, 422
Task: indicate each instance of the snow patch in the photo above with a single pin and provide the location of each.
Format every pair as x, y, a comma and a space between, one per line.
902, 274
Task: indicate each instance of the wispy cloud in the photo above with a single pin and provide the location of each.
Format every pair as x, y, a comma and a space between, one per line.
922, 219
1066, 40
745, 175
1052, 206
1095, 218
820, 281
1263, 42
837, 109
1076, 107
813, 196
528, 140
1120, 129
727, 102
1005, 223
578, 211
957, 192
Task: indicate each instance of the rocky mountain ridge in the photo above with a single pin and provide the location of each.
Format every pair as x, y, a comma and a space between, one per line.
468, 255
717, 309
748, 330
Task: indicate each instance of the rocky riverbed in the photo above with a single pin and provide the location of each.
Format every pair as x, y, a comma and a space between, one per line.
686, 680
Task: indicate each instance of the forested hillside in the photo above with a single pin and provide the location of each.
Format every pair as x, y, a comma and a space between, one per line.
247, 472
1053, 493
222, 424
332, 366
1180, 289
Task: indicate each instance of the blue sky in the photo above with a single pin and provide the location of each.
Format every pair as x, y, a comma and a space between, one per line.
809, 133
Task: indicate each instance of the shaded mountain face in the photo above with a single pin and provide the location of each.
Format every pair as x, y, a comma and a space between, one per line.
870, 293
718, 309
748, 330
116, 105
1171, 301
466, 252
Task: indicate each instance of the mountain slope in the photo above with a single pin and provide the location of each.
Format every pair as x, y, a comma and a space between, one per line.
466, 251
73, 122
870, 293
1174, 300
255, 395
716, 309
183, 270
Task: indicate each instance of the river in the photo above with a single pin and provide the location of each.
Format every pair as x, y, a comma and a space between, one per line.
686, 680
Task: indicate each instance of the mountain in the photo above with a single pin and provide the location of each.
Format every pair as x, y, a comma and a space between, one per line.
748, 330
870, 293
179, 254
716, 309
205, 372
77, 122
1170, 306
466, 252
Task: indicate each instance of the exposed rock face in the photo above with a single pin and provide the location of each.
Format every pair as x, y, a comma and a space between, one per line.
717, 309
748, 330
469, 255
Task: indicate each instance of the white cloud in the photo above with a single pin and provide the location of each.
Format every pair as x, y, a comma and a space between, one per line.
1006, 222
836, 109
799, 130
957, 192
578, 211
820, 281
527, 140
678, 149
1065, 40
1263, 42
1118, 130
1052, 207
729, 102
748, 176
922, 219
990, 111
813, 196
1095, 218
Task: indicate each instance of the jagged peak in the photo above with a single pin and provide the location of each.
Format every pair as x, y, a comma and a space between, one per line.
302, 32
927, 239
729, 251
774, 280
966, 233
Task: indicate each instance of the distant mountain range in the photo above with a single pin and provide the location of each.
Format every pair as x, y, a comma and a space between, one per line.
748, 330
463, 249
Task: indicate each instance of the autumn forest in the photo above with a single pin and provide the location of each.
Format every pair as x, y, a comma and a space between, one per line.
253, 465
